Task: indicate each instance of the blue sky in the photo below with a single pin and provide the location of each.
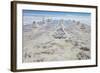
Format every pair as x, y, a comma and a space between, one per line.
53, 13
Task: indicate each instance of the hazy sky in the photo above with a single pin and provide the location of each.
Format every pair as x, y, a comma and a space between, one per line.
32, 12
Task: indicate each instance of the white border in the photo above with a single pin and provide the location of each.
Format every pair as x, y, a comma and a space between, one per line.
21, 65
